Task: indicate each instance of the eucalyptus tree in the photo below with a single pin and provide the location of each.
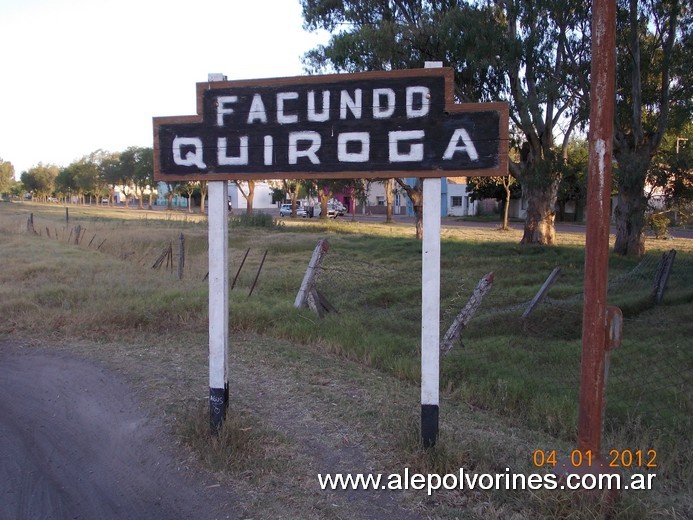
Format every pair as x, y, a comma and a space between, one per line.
532, 54
654, 95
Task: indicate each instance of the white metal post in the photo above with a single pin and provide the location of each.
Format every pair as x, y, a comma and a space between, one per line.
218, 301
430, 311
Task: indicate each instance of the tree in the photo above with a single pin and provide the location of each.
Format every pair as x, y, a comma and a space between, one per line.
40, 180
248, 193
203, 196
670, 178
171, 187
654, 94
291, 187
6, 176
532, 54
499, 188
415, 194
66, 182
89, 174
187, 189
325, 189
389, 199
114, 169
137, 168
546, 61
573, 187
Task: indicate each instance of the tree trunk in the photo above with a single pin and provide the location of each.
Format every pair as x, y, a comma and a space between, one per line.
631, 203
416, 196
630, 223
418, 212
203, 196
506, 206
389, 196
324, 198
250, 197
541, 214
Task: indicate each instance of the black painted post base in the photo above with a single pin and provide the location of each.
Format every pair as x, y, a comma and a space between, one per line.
217, 408
429, 425
226, 398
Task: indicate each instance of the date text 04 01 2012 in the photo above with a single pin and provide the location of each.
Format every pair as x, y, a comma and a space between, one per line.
616, 459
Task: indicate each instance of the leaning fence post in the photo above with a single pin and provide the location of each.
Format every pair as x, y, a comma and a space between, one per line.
541, 294
311, 275
662, 275
233, 283
462, 319
257, 276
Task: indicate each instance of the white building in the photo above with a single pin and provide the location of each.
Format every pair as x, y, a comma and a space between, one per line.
455, 198
262, 199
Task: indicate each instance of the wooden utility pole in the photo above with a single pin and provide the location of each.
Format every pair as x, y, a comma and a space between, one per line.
594, 317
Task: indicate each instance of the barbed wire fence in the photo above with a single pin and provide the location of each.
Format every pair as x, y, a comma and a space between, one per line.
531, 366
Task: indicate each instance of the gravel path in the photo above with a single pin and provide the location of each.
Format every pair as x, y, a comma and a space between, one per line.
74, 443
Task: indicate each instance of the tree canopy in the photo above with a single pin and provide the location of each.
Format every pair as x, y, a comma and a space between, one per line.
40, 180
654, 96
6, 176
534, 55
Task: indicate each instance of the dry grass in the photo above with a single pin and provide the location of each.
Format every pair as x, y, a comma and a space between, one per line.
298, 407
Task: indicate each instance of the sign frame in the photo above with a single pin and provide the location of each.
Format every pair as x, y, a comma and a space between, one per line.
451, 108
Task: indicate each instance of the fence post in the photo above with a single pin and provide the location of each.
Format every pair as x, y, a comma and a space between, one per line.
181, 255
462, 319
257, 276
311, 273
235, 278
541, 294
662, 275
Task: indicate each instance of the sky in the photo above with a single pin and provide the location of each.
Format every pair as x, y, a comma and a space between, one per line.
83, 75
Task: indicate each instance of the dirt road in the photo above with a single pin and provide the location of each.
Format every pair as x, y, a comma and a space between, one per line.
74, 443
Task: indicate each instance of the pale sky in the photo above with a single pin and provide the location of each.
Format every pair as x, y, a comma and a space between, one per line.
82, 75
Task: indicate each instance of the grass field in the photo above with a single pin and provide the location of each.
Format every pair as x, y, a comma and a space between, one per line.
509, 387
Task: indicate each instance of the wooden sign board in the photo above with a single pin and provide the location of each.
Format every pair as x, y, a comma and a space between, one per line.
364, 125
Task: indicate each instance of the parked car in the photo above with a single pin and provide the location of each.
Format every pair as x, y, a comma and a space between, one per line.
332, 211
341, 208
285, 211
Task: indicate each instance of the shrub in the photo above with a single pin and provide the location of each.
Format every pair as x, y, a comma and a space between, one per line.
255, 220
658, 223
